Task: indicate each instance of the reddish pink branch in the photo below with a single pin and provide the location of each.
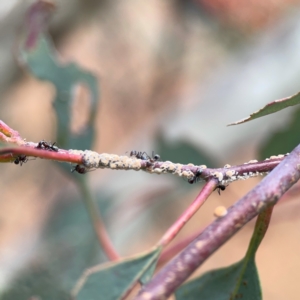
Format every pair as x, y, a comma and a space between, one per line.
61, 155
105, 241
208, 188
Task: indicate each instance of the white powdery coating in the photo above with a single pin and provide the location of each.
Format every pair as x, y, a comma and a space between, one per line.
188, 174
104, 160
93, 160
218, 175
230, 173
169, 167
252, 161
134, 164
90, 159
234, 176
178, 170
157, 171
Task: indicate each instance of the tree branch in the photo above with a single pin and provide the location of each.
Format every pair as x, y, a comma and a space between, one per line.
205, 192
265, 194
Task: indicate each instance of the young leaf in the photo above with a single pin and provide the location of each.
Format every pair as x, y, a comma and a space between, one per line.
111, 281
239, 280
271, 108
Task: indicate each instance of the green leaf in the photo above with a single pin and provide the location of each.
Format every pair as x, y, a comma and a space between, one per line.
148, 273
271, 108
282, 141
238, 281
39, 55
110, 281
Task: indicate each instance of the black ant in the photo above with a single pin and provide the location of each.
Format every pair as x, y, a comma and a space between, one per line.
196, 177
220, 187
81, 169
47, 146
144, 156
21, 159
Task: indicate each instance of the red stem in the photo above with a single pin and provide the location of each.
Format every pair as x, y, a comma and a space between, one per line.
61, 155
207, 189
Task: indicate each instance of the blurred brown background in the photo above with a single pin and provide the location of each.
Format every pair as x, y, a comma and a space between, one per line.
172, 74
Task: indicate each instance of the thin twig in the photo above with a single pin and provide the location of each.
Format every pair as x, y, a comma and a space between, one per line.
31, 150
91, 160
97, 222
206, 191
265, 194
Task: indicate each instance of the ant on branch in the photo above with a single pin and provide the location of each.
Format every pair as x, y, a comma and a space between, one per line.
21, 159
47, 146
144, 156
81, 169
196, 177
220, 188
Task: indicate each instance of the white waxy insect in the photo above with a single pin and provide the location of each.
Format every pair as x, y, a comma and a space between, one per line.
136, 165
218, 175
157, 171
227, 166
252, 161
171, 167
113, 166
230, 173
